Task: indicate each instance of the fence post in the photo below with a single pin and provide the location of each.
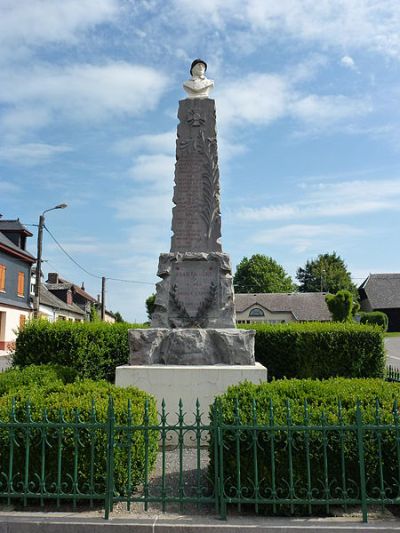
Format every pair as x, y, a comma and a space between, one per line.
109, 495
220, 437
361, 461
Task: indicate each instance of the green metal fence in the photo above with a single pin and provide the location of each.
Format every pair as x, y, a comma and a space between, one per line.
271, 467
392, 374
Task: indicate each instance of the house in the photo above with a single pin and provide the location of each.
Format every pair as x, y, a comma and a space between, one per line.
277, 308
15, 275
53, 309
71, 294
381, 292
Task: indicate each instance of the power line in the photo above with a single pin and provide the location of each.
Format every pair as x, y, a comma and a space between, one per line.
90, 273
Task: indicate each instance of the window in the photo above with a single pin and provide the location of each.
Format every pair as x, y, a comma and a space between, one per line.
256, 312
21, 284
22, 320
2, 278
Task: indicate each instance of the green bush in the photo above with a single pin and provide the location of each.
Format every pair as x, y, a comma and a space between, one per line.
320, 350
377, 318
82, 402
282, 403
92, 349
40, 375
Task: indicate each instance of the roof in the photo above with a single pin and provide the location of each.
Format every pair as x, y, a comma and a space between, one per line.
65, 285
382, 290
14, 225
47, 298
303, 305
5, 242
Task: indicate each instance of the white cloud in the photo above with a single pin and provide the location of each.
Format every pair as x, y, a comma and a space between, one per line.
348, 62
331, 200
163, 143
41, 21
255, 99
155, 169
328, 109
8, 187
84, 91
303, 237
142, 207
349, 24
31, 153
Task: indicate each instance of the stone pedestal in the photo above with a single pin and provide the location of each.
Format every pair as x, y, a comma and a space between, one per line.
187, 383
191, 346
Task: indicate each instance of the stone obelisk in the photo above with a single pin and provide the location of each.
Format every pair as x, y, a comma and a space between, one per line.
194, 318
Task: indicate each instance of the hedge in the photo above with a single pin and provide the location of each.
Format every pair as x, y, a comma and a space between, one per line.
378, 318
320, 350
282, 403
80, 401
92, 349
40, 376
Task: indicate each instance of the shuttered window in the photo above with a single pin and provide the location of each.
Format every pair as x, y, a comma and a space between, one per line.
22, 320
2, 278
21, 284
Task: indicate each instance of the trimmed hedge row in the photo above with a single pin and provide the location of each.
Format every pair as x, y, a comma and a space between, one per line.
317, 350
313, 448
82, 401
320, 350
378, 318
92, 349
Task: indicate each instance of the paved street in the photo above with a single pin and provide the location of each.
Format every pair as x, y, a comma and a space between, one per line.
4, 362
392, 345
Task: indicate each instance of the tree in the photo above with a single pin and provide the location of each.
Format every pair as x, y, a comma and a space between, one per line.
342, 306
150, 304
326, 273
261, 273
94, 314
118, 317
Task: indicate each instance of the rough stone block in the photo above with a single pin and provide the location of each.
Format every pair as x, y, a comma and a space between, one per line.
191, 346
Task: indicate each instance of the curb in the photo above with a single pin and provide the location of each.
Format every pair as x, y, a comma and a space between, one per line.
69, 524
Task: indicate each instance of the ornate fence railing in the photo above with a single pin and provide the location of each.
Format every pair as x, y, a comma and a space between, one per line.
292, 466
392, 373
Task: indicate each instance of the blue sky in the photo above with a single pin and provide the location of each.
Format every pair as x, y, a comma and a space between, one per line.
307, 97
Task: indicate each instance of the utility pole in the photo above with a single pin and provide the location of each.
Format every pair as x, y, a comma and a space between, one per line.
103, 298
39, 258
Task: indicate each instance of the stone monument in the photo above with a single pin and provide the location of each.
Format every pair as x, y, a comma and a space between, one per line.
193, 323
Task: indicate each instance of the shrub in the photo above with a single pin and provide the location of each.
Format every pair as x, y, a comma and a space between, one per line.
342, 305
377, 318
92, 349
82, 402
281, 404
320, 350
40, 375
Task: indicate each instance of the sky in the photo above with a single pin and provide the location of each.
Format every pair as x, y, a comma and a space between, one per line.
307, 96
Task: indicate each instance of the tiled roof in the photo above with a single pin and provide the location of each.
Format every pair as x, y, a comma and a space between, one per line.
49, 299
382, 290
14, 225
9, 244
65, 285
303, 305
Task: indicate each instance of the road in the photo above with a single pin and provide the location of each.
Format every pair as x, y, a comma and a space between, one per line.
4, 362
392, 345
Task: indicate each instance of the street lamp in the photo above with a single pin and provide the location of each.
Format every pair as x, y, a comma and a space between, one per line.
39, 256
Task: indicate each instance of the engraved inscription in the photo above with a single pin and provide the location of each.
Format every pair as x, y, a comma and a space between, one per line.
193, 281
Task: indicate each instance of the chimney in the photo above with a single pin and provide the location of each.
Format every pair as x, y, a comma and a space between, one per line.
83, 286
69, 297
52, 277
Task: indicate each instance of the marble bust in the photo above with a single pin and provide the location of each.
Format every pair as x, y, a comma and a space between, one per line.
198, 86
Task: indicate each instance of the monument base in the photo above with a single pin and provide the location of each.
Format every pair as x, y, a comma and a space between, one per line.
191, 346
187, 383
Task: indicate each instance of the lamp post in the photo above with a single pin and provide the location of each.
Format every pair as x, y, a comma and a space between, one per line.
39, 256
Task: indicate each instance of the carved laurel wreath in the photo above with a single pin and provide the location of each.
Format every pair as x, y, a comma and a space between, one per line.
200, 320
